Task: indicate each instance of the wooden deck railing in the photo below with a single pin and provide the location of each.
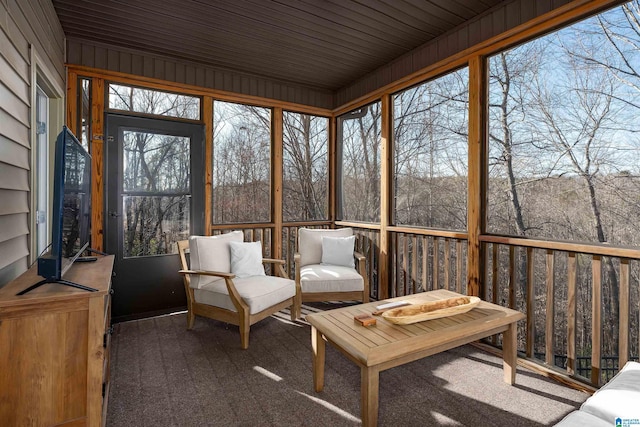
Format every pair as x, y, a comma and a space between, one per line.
576, 297
582, 301
424, 260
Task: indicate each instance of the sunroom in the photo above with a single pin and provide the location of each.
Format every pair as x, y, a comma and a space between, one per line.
484, 147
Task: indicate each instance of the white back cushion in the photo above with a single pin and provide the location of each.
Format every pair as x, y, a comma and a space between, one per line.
211, 253
310, 243
246, 259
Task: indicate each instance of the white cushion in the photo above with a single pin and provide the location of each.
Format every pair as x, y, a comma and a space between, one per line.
583, 419
246, 259
310, 243
619, 398
211, 253
259, 292
338, 250
329, 278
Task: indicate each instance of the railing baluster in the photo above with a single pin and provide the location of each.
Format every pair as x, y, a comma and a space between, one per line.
550, 314
436, 262
571, 313
623, 344
405, 263
530, 304
394, 264
425, 268
596, 319
494, 281
459, 266
414, 265
447, 262
512, 277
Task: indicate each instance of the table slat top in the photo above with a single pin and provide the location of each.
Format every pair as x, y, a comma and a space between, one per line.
385, 340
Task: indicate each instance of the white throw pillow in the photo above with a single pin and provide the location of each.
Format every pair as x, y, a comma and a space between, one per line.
338, 251
246, 259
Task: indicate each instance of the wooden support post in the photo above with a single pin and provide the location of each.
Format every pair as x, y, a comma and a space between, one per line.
97, 163
207, 112
276, 173
72, 102
477, 173
385, 196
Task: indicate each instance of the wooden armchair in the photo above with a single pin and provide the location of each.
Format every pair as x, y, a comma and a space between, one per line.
330, 274
241, 299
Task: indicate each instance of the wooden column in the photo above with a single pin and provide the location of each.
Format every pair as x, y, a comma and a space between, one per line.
72, 102
276, 173
385, 196
207, 112
332, 168
477, 174
97, 163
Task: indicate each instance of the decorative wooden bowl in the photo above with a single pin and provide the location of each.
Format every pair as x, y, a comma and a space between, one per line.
430, 310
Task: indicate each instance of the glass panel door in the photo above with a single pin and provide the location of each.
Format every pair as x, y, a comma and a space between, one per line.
155, 198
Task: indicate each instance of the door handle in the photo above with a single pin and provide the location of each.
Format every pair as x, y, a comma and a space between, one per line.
114, 214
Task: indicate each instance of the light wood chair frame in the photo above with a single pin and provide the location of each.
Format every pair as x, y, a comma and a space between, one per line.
363, 295
242, 316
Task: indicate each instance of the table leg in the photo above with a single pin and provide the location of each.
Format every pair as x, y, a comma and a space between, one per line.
509, 353
369, 387
318, 346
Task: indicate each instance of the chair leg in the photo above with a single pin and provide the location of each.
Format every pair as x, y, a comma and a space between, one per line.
191, 318
244, 326
295, 309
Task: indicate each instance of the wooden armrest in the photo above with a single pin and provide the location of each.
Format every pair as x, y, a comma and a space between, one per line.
274, 261
208, 273
358, 256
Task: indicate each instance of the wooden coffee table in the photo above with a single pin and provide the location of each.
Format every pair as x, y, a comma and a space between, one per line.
387, 345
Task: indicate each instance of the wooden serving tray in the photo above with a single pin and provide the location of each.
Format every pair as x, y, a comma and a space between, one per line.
430, 310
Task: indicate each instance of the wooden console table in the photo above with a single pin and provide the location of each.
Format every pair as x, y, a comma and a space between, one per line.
54, 349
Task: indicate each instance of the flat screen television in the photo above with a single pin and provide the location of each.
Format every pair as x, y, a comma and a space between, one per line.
71, 225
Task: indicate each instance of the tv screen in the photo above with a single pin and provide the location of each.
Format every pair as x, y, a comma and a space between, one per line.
71, 206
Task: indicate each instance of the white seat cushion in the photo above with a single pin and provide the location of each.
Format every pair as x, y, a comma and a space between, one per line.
310, 243
619, 398
330, 278
583, 419
259, 292
211, 253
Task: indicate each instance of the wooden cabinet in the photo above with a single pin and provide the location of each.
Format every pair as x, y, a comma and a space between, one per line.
54, 349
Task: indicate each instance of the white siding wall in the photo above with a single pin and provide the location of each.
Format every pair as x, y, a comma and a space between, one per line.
23, 23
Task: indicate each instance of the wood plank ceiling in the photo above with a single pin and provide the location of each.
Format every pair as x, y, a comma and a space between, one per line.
325, 44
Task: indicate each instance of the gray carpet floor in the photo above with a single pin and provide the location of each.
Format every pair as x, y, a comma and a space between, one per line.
164, 375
